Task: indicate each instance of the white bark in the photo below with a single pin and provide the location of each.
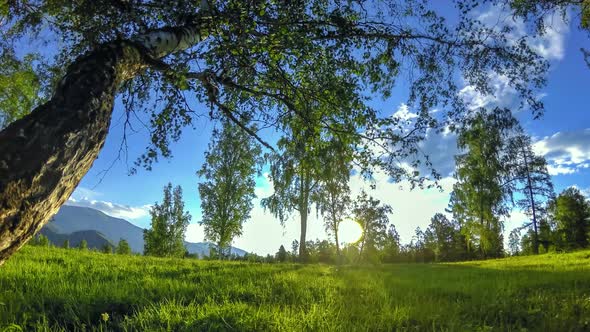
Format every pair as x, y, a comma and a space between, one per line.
44, 155
166, 41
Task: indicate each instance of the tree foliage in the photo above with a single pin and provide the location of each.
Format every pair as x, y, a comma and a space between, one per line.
571, 212
514, 242
274, 59
227, 191
480, 197
528, 177
333, 196
165, 238
282, 254
374, 220
443, 238
303, 69
123, 248
19, 87
392, 246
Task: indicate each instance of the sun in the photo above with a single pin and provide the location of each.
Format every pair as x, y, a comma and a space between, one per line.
349, 231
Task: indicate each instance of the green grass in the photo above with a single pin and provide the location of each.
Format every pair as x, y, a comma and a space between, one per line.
67, 290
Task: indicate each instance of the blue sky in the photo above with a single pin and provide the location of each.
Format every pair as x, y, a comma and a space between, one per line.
562, 135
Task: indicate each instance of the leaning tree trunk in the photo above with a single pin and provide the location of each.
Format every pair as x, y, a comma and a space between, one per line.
44, 155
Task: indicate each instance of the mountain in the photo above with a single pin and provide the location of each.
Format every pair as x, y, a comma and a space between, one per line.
96, 225
94, 239
70, 219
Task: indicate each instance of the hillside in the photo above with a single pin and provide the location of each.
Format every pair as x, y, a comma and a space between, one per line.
73, 219
54, 289
94, 239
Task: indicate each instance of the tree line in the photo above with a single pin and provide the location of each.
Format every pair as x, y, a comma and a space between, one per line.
122, 247
497, 171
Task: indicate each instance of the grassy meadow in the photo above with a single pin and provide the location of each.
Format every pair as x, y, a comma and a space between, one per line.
53, 289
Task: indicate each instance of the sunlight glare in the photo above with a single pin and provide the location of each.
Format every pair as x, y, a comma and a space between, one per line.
350, 231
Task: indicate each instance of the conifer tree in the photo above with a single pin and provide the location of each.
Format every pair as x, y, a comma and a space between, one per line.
123, 248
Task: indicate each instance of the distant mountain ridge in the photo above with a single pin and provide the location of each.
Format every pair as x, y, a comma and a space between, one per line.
94, 239
75, 222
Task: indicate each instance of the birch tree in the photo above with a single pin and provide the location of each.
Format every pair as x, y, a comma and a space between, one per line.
227, 191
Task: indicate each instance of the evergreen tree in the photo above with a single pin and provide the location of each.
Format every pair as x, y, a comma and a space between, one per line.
123, 248
228, 187
165, 238
282, 254
107, 249
66, 244
295, 248
392, 246
547, 233
440, 237
514, 242
83, 245
530, 178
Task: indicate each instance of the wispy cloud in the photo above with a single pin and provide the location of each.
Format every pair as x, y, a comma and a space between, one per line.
550, 45
113, 209
503, 94
85, 197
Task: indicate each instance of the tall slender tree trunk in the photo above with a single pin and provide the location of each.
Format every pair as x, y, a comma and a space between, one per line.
335, 229
533, 207
303, 213
364, 240
44, 155
302, 236
336, 239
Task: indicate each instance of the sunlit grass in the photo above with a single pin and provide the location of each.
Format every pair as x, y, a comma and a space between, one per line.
56, 289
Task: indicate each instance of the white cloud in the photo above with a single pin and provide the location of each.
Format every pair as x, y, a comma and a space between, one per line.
403, 113
550, 45
195, 233
82, 193
503, 94
85, 197
566, 152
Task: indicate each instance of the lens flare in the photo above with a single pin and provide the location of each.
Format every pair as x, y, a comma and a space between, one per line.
349, 231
